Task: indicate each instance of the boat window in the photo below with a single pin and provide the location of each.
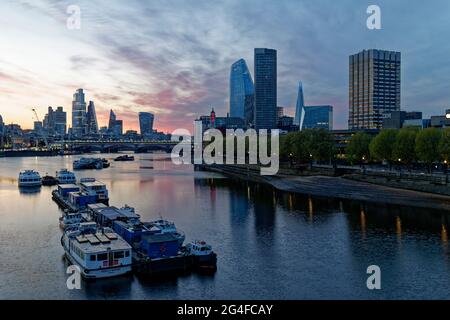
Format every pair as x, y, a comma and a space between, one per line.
92, 257
118, 255
102, 257
203, 249
127, 254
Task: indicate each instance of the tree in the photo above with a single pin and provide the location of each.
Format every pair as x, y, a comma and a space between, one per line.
427, 146
286, 145
382, 146
321, 145
444, 145
405, 144
358, 147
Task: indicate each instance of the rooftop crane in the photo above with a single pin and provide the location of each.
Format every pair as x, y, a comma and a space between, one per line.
41, 130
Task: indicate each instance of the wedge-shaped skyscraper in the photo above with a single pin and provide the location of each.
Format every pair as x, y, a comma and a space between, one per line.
299, 109
242, 92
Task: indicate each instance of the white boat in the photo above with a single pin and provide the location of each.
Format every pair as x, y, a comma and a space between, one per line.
168, 227
199, 248
99, 252
70, 220
30, 178
65, 176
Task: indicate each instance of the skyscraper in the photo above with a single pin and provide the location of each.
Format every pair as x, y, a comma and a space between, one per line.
374, 88
265, 88
318, 117
49, 122
115, 127
60, 119
146, 122
79, 114
91, 119
2, 126
299, 112
242, 92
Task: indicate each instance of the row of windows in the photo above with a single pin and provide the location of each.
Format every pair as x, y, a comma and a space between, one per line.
104, 256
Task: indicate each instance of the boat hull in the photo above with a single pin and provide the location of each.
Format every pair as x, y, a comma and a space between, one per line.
99, 273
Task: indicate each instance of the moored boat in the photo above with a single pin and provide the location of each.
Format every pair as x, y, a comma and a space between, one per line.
29, 178
65, 176
124, 158
49, 181
70, 219
98, 252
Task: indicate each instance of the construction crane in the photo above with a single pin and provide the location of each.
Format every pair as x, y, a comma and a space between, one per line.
41, 129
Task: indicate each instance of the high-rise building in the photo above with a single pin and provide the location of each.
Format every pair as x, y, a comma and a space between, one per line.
38, 127
2, 126
146, 122
91, 119
265, 116
318, 117
280, 112
115, 127
60, 119
79, 114
242, 92
299, 112
374, 88
49, 122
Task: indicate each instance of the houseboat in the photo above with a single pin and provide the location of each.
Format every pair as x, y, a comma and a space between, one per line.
99, 252
30, 178
92, 187
167, 227
65, 176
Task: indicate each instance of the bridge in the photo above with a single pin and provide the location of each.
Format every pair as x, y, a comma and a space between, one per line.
111, 146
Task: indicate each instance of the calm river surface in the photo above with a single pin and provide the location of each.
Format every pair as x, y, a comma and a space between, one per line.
270, 244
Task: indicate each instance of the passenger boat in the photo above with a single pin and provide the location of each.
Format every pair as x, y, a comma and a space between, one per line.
30, 178
124, 158
49, 181
65, 176
99, 252
70, 219
92, 187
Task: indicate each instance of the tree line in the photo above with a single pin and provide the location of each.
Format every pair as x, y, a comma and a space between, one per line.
403, 146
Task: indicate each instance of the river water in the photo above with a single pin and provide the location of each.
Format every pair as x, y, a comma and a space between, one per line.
270, 244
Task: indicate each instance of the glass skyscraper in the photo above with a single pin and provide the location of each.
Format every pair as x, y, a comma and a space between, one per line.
146, 120
299, 107
79, 114
242, 92
265, 89
374, 88
91, 119
318, 117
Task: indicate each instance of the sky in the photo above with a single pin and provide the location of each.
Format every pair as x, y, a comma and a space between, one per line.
173, 57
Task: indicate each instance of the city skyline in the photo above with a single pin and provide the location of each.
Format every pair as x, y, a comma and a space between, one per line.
113, 56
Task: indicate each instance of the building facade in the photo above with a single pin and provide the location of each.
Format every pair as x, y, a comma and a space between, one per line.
146, 120
299, 106
318, 117
115, 127
374, 87
91, 119
79, 114
242, 92
265, 116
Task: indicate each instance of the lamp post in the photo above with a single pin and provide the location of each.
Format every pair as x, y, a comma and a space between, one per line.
446, 171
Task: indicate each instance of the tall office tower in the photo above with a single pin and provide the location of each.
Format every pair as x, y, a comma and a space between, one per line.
91, 119
374, 88
79, 114
60, 118
2, 126
242, 92
318, 117
299, 108
112, 120
49, 122
146, 122
265, 89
